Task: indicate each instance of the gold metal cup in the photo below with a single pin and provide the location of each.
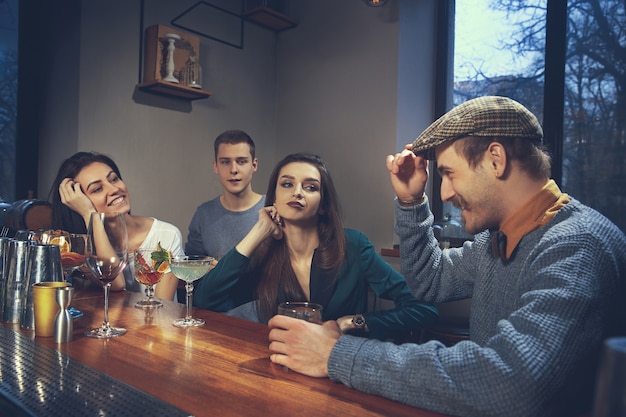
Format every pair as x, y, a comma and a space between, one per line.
45, 306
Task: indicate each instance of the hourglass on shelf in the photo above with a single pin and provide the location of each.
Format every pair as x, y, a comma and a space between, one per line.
192, 75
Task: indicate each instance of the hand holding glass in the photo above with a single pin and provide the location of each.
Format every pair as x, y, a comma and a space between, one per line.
106, 256
302, 310
189, 269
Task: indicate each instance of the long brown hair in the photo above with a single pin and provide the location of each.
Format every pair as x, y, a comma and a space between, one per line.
272, 257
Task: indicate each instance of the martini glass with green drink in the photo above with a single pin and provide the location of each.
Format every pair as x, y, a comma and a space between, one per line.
190, 269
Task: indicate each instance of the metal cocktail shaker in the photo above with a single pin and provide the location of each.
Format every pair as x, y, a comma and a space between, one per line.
15, 281
4, 268
44, 264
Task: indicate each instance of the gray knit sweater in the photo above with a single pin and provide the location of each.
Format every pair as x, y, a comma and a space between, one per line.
537, 321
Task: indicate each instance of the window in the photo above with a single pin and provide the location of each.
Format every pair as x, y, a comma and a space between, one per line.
594, 129
565, 62
8, 97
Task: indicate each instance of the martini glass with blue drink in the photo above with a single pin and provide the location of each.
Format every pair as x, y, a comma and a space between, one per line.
189, 269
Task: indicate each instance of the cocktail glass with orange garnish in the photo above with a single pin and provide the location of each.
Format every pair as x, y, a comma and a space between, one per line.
74, 258
72, 248
149, 267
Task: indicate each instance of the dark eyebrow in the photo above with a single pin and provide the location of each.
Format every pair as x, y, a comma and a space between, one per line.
237, 158
291, 177
92, 183
98, 181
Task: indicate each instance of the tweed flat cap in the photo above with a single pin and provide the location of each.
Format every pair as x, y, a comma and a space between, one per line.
489, 116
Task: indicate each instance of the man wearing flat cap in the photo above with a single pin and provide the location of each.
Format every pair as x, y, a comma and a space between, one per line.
546, 275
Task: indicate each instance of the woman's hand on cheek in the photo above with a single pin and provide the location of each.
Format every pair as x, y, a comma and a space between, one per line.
276, 222
73, 197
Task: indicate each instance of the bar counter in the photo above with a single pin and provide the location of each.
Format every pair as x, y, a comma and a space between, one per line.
221, 368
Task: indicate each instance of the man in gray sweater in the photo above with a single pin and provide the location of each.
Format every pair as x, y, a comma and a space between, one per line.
219, 224
546, 274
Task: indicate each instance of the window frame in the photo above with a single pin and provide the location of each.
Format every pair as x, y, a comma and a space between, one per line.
30, 22
554, 85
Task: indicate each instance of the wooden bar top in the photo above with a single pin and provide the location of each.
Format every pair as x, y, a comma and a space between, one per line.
221, 368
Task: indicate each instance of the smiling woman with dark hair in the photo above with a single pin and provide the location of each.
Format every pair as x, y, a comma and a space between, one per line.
299, 251
89, 182
63, 217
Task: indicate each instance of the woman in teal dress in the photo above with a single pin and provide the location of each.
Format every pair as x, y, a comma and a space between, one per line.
299, 251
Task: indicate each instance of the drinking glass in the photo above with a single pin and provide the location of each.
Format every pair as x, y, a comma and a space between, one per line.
106, 256
148, 273
189, 269
72, 246
301, 310
610, 395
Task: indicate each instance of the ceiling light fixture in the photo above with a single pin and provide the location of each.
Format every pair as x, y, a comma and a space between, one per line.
375, 3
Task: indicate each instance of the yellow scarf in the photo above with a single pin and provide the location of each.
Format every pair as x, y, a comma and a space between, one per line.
537, 212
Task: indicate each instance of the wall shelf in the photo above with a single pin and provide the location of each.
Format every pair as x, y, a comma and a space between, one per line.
175, 90
270, 19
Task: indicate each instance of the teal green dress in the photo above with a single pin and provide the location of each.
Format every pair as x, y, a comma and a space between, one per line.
231, 284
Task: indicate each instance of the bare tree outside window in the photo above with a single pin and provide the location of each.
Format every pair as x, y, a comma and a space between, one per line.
594, 131
594, 165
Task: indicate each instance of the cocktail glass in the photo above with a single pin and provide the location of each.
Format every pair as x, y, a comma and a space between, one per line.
72, 247
73, 257
146, 274
106, 256
190, 269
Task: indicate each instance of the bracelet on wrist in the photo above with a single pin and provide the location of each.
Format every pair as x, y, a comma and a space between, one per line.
411, 203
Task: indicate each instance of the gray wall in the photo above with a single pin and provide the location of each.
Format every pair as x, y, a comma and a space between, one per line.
351, 83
